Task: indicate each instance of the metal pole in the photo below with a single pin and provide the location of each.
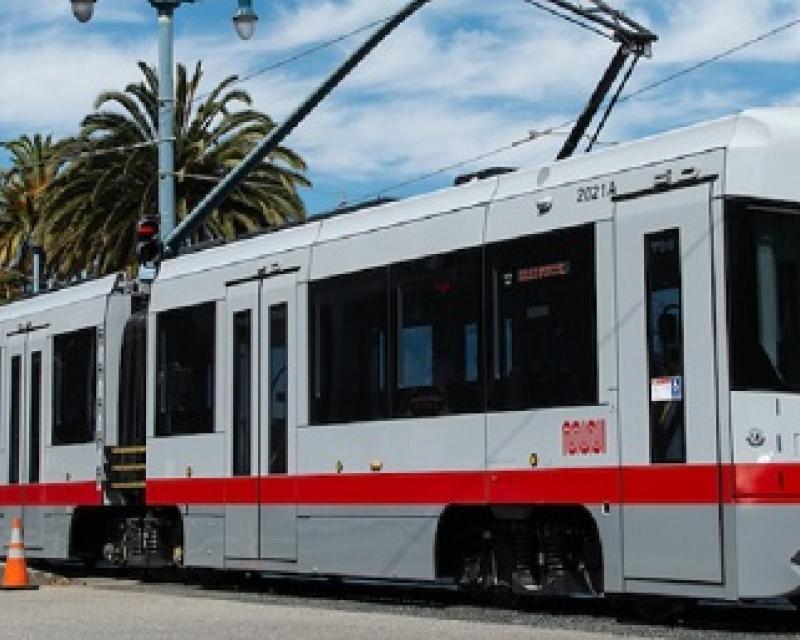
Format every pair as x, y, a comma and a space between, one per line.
279, 134
37, 253
166, 120
585, 119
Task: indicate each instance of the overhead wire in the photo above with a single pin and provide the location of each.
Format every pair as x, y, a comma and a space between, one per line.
530, 137
300, 55
711, 60
552, 131
69, 157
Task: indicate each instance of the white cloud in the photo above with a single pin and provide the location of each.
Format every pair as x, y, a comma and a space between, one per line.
458, 79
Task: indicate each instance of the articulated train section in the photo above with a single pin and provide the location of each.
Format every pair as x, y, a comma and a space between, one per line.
573, 379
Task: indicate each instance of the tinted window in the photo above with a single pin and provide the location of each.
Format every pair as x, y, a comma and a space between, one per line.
74, 387
185, 377
278, 389
763, 260
437, 302
35, 416
348, 347
665, 346
14, 420
242, 392
541, 298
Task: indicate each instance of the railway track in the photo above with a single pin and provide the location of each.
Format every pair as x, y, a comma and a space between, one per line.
703, 620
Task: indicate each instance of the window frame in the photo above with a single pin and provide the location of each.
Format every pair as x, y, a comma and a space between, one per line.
323, 291
493, 320
90, 435
159, 429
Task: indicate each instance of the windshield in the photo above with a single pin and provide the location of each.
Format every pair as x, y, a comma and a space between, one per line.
763, 255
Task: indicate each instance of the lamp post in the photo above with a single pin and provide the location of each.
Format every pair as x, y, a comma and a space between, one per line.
244, 21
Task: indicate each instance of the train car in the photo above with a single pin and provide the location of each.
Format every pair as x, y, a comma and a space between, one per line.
580, 378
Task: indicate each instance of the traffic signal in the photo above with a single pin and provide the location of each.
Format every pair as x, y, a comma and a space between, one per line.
148, 245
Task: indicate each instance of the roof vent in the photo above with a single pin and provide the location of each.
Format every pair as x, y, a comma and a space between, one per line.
484, 174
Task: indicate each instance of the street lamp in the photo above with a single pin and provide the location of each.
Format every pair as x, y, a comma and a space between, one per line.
83, 9
244, 20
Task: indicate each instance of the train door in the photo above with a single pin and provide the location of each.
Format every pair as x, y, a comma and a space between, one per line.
24, 392
278, 389
667, 388
261, 388
242, 521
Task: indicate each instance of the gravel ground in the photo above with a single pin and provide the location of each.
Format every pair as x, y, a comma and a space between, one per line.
81, 613
347, 611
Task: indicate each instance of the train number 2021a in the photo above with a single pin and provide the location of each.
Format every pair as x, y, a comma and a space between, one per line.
597, 192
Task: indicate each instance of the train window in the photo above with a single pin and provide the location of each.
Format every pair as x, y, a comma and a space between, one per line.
437, 304
14, 420
665, 346
541, 297
242, 392
185, 376
74, 387
763, 257
35, 416
278, 389
348, 346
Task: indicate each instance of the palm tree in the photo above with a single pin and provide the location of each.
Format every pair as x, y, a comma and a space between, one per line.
24, 209
100, 195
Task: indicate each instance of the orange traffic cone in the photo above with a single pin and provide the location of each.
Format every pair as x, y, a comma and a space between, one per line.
16, 574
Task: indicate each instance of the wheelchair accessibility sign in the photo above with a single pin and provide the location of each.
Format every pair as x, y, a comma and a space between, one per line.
668, 389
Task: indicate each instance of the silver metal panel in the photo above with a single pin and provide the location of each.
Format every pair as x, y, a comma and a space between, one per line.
607, 380
278, 532
117, 314
203, 541
777, 416
57, 526
608, 519
767, 538
371, 511
371, 547
512, 437
33, 520
69, 463
9, 513
200, 456
437, 234
408, 210
49, 307
241, 531
238, 259
670, 542
451, 443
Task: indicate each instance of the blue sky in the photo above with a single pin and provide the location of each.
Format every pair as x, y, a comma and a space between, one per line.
460, 78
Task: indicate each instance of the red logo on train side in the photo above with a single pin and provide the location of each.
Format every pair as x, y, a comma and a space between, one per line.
584, 437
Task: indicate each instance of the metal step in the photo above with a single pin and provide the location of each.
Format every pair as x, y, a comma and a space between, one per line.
125, 472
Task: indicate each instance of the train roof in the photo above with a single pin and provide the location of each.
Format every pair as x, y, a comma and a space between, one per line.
80, 292
757, 141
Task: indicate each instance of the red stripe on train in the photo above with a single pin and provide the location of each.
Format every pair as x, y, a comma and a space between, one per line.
678, 484
51, 494
667, 484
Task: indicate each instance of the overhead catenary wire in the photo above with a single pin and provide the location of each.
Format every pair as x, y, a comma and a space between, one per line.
240, 80
711, 60
625, 98
273, 66
530, 137
79, 155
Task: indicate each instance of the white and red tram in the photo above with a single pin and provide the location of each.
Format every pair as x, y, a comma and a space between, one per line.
578, 378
